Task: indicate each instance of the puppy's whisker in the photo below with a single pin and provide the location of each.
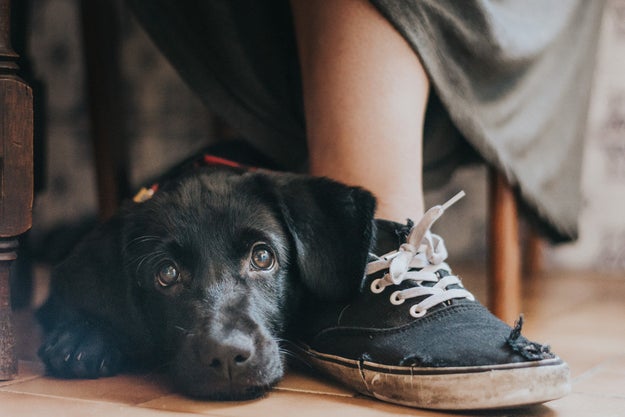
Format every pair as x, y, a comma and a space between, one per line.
292, 357
283, 349
184, 331
287, 353
141, 239
149, 258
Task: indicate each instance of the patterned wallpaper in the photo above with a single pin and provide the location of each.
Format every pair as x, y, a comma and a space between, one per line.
602, 229
166, 123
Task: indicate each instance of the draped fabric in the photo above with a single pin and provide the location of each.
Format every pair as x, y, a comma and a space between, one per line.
510, 83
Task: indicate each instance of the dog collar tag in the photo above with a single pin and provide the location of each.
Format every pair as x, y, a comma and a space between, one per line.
145, 194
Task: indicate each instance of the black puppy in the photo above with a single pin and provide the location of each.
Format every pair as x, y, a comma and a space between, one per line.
205, 277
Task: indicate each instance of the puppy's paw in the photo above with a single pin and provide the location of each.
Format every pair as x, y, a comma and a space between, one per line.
80, 350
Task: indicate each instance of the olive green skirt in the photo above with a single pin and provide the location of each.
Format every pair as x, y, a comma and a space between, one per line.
510, 81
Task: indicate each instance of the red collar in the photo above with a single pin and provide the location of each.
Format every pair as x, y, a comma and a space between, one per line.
145, 193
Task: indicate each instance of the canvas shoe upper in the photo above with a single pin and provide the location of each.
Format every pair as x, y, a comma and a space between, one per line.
415, 336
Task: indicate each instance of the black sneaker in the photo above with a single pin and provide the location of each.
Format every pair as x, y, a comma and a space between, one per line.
415, 336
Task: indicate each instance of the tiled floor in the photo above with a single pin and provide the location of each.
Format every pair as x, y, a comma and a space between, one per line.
582, 316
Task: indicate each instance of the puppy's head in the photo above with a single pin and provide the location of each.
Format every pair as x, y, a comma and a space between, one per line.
218, 260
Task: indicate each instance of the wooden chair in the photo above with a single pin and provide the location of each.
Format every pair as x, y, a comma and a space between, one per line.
16, 179
504, 274
101, 50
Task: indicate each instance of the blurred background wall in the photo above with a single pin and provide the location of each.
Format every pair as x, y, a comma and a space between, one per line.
166, 122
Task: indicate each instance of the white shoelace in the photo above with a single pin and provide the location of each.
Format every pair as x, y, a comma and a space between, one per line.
419, 259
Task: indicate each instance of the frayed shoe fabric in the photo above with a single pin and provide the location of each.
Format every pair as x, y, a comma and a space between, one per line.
415, 336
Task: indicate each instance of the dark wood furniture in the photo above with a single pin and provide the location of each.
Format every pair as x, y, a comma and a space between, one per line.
504, 250
16, 179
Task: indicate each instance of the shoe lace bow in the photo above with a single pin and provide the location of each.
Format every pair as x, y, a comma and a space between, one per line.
421, 260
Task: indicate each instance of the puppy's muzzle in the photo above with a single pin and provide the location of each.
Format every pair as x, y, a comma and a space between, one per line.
229, 357
231, 365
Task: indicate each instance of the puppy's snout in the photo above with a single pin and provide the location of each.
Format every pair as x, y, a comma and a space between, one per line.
226, 363
228, 356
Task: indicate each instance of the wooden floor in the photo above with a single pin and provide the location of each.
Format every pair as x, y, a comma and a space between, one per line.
581, 315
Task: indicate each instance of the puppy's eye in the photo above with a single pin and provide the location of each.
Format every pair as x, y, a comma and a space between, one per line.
168, 275
262, 257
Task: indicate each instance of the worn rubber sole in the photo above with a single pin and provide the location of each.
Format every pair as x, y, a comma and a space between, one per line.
458, 388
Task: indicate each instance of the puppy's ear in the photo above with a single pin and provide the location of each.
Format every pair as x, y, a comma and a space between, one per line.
332, 228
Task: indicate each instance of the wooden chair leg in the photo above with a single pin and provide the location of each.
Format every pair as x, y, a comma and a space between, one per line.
16, 179
8, 355
504, 251
533, 254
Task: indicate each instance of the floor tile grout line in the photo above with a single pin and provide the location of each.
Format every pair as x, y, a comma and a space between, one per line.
602, 396
313, 392
60, 397
191, 413
87, 401
595, 369
286, 391
17, 381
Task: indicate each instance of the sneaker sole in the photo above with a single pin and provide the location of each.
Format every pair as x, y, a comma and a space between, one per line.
459, 388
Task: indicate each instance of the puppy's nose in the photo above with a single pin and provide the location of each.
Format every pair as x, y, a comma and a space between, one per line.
228, 356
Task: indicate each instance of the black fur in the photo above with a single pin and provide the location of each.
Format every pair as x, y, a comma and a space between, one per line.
218, 328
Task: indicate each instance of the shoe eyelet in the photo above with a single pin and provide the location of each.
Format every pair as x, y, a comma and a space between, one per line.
375, 287
395, 299
416, 313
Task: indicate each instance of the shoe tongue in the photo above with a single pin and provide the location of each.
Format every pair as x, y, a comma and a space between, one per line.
390, 236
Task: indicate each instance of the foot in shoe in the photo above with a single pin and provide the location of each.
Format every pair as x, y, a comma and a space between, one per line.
415, 336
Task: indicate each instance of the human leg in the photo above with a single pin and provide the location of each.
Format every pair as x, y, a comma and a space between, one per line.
414, 334
364, 107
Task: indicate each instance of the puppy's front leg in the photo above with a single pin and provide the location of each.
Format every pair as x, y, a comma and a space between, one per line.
81, 348
85, 317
